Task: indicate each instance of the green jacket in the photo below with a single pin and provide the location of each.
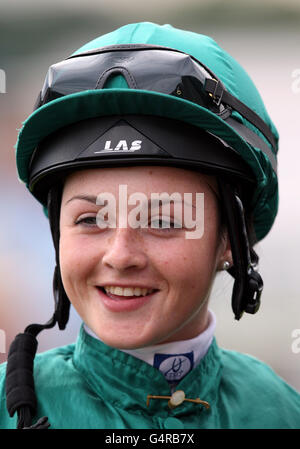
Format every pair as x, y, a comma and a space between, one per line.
88, 385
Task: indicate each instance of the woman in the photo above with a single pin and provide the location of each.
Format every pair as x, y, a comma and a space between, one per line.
155, 160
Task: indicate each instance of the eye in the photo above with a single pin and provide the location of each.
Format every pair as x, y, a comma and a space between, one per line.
87, 221
159, 223
164, 223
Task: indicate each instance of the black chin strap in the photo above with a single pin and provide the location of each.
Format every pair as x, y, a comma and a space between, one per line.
20, 390
62, 303
248, 284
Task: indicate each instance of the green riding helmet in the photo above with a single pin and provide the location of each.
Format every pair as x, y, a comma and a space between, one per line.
129, 72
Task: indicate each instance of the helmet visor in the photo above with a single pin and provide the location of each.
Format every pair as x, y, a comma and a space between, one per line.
157, 69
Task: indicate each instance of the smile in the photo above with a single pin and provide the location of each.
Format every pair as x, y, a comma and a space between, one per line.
125, 299
128, 291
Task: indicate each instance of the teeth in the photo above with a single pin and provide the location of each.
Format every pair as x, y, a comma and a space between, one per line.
128, 291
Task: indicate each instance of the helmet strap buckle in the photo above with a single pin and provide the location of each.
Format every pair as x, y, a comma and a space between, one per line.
248, 283
214, 89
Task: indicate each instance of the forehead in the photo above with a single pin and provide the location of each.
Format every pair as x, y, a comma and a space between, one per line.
145, 179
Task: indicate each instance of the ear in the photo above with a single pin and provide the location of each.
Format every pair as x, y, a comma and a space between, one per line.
225, 254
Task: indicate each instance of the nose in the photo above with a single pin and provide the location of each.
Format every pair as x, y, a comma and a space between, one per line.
124, 250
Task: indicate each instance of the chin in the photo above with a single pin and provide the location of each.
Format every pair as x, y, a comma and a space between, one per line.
120, 341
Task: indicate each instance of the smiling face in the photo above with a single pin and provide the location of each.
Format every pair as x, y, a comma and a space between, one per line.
141, 286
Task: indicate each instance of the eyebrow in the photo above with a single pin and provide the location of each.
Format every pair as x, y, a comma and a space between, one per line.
89, 198
93, 199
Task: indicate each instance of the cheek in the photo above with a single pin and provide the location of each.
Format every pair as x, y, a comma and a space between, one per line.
182, 265
190, 266
77, 258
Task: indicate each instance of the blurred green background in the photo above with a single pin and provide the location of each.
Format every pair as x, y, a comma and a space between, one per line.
264, 36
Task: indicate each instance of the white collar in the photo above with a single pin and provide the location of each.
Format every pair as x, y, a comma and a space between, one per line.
177, 358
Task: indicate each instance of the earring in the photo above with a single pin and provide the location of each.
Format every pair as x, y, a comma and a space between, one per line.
226, 265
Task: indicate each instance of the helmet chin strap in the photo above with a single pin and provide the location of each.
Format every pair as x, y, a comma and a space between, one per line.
62, 303
20, 391
248, 284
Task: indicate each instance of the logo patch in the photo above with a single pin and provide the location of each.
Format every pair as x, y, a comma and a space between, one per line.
121, 147
174, 366
121, 139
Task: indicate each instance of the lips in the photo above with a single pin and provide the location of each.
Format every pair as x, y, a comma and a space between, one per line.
128, 291
125, 302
